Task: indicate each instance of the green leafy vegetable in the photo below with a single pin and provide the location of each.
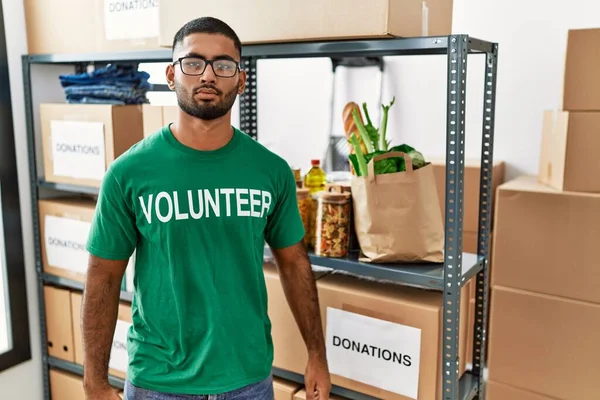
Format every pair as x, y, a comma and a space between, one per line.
387, 165
358, 158
371, 130
364, 135
417, 158
376, 142
383, 142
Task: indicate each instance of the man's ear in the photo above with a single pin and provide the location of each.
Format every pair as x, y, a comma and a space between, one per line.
170, 75
242, 82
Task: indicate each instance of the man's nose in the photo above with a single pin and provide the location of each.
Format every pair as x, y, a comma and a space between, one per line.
209, 74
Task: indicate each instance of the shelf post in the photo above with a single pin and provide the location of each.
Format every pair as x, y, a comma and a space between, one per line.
485, 216
455, 136
33, 181
249, 99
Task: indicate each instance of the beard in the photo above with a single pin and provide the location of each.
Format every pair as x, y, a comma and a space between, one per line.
205, 110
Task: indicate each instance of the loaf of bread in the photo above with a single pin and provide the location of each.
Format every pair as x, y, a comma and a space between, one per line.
350, 125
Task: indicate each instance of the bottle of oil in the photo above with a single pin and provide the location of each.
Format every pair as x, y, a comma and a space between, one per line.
315, 179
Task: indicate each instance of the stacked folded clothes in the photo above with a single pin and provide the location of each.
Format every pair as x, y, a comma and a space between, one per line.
113, 84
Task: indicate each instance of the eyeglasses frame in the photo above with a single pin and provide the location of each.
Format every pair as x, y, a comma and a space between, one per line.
208, 62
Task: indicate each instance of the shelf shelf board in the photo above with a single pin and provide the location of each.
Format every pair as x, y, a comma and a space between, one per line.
78, 370
65, 187
375, 47
75, 285
425, 275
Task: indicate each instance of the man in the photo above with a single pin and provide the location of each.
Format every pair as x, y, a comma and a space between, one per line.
197, 201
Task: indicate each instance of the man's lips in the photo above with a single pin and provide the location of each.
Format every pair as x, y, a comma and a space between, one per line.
207, 91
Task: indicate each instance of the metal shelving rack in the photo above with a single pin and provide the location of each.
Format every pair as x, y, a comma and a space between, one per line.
448, 277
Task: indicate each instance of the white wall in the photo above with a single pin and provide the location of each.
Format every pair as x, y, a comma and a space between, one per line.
11, 381
294, 94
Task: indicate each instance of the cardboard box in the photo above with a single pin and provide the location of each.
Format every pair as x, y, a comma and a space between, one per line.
81, 140
289, 347
152, 119
65, 386
546, 241
581, 83
119, 357
260, 21
169, 114
64, 227
471, 189
58, 323
498, 391
301, 395
569, 152
544, 344
100, 26
285, 390
156, 117
386, 337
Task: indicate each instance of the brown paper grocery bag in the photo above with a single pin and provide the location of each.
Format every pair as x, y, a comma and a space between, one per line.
397, 215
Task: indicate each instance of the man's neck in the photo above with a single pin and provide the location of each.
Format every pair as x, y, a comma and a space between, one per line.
200, 134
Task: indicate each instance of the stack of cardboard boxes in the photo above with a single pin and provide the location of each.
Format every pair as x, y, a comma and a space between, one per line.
545, 302
96, 26
79, 143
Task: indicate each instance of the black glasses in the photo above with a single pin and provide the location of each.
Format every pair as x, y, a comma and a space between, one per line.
196, 66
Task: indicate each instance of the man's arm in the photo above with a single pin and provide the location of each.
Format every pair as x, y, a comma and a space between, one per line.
99, 317
299, 286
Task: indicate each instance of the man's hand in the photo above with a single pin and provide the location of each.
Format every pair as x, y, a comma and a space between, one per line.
316, 379
102, 393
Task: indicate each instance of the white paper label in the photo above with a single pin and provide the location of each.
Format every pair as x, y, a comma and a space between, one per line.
373, 351
119, 359
78, 149
131, 19
65, 239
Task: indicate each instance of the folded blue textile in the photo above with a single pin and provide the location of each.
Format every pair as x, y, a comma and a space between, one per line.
92, 100
113, 84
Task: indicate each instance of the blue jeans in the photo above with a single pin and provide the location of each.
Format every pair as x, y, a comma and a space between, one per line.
257, 391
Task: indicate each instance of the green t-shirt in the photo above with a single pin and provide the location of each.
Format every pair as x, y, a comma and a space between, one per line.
198, 221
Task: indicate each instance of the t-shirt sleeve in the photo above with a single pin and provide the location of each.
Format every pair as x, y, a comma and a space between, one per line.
113, 234
284, 226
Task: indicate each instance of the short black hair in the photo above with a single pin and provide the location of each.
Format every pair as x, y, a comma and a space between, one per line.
207, 25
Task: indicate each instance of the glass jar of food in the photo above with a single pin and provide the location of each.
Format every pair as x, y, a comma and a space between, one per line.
333, 222
305, 206
353, 244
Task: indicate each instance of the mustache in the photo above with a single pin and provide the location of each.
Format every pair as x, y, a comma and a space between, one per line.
208, 86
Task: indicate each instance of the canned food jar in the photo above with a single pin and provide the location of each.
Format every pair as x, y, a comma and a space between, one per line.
305, 206
353, 244
332, 233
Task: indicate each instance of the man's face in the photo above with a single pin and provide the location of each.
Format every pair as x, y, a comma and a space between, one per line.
210, 94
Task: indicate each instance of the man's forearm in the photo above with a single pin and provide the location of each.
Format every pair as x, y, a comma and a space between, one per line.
300, 289
98, 318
